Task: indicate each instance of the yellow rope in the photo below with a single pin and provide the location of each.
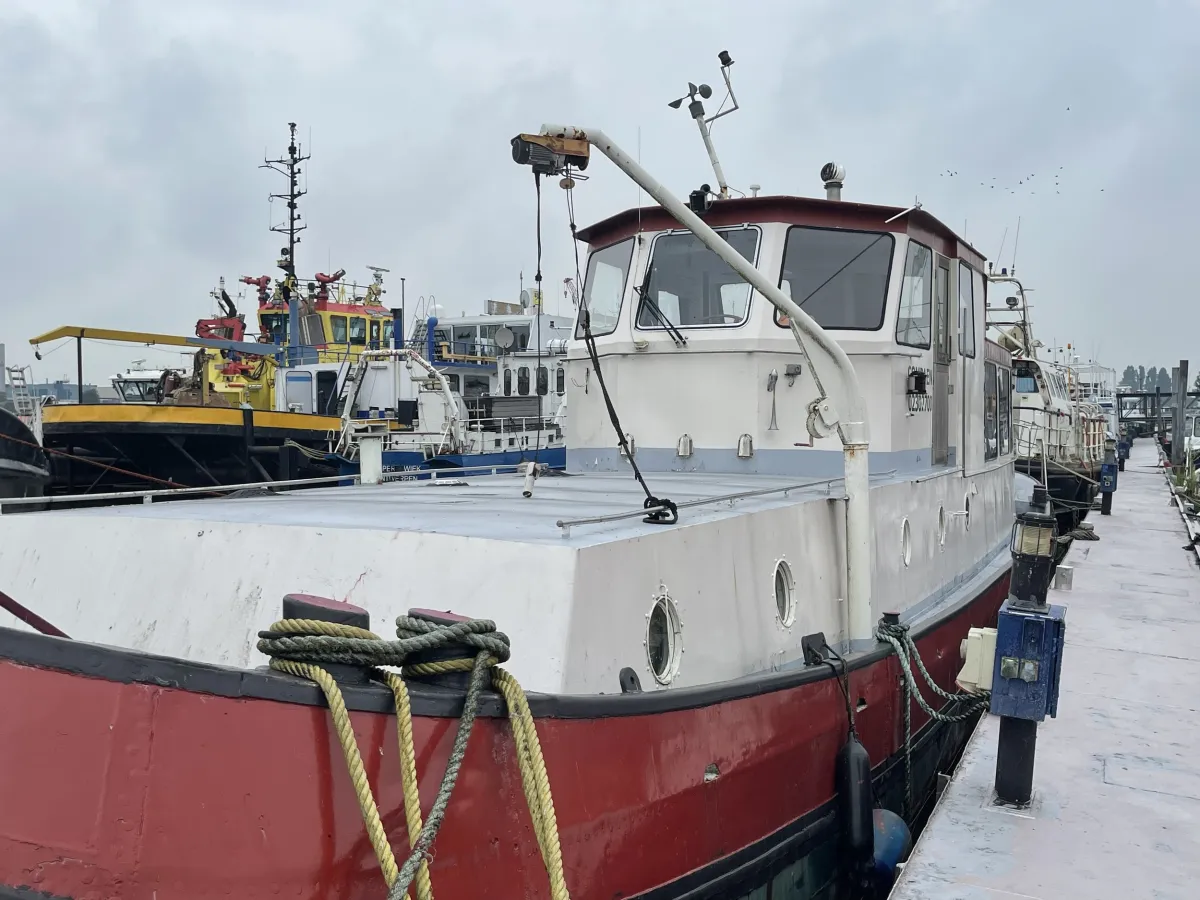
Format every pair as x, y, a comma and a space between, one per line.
535, 781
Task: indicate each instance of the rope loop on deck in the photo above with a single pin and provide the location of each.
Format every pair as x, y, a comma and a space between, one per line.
898, 636
301, 647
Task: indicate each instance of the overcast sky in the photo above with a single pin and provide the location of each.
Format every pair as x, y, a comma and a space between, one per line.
130, 131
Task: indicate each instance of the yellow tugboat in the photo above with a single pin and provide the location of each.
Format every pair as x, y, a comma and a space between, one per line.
249, 411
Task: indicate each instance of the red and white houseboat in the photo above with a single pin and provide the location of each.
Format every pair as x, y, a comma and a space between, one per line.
689, 739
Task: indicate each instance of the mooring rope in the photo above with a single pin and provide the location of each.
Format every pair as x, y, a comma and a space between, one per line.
300, 647
906, 652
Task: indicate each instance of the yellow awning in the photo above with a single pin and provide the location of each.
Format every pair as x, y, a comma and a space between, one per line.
111, 334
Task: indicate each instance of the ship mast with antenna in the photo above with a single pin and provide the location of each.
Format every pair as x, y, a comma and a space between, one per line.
289, 167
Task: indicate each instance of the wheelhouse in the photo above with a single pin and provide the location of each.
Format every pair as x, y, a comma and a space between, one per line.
899, 290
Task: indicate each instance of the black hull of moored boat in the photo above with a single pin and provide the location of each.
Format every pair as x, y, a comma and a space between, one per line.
1071, 492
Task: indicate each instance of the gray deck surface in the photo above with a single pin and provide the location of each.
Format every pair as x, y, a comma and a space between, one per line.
491, 506
1116, 808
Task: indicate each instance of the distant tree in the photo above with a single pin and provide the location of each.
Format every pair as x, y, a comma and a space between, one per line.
1164, 380
1129, 378
91, 395
1141, 378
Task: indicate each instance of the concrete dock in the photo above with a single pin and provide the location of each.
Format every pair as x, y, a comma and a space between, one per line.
1116, 804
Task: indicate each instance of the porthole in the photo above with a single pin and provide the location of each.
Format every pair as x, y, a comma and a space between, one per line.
967, 510
785, 594
664, 639
941, 526
905, 542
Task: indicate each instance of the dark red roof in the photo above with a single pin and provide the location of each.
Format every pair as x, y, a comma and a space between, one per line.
793, 211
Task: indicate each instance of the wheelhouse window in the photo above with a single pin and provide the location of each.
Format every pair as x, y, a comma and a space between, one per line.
838, 277
689, 286
966, 310
523, 381
337, 326
508, 382
604, 288
543, 381
358, 330
916, 292
375, 332
274, 327
991, 412
560, 381
1004, 388
1025, 380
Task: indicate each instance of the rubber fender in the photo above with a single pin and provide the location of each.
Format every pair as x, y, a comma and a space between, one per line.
854, 799
893, 843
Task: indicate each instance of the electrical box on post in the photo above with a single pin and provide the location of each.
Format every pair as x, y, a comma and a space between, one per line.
1108, 477
1028, 664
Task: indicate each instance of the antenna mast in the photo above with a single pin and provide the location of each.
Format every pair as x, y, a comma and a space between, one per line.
289, 167
695, 96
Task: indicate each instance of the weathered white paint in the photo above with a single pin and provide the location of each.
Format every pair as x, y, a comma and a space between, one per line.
198, 579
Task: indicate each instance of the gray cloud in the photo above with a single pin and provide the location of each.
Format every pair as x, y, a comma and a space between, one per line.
132, 131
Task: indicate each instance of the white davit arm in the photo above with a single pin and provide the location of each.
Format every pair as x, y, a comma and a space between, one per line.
842, 405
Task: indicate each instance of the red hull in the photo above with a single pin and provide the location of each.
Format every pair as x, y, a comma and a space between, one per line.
124, 789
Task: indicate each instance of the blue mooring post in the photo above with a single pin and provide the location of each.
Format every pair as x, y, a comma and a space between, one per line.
1124, 442
1108, 476
1030, 634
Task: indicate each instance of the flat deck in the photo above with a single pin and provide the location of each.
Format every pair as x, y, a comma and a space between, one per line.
492, 506
1116, 807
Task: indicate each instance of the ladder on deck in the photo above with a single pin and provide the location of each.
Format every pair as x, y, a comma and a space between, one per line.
23, 401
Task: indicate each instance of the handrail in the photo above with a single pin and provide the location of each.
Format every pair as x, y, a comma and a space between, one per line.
566, 524
152, 494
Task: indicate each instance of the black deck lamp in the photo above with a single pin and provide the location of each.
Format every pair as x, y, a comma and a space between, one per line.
1034, 536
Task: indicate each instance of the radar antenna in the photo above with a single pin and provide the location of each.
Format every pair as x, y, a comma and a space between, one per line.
289, 167
695, 96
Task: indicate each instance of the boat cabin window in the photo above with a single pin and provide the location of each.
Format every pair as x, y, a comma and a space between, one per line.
838, 277
1004, 389
520, 336
966, 310
913, 324
358, 330
689, 286
523, 380
475, 386
274, 326
991, 413
487, 341
327, 392
337, 325
604, 288
543, 381
464, 341
1024, 380
137, 391
452, 381
508, 382
375, 323
560, 381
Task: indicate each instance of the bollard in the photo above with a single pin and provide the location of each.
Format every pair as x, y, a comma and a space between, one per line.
370, 458
1028, 662
1108, 477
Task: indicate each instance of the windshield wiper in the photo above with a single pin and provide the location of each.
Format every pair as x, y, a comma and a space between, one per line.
644, 293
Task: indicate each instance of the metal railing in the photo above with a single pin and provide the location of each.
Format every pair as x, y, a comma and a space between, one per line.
158, 494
